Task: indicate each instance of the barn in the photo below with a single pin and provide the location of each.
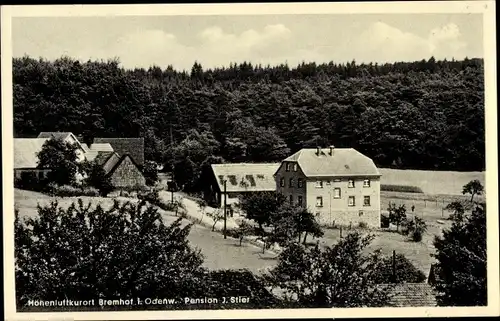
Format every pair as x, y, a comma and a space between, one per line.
240, 178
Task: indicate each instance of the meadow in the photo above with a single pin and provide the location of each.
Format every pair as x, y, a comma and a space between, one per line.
431, 182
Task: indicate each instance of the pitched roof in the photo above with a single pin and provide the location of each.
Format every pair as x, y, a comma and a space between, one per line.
411, 295
56, 135
25, 151
61, 135
243, 177
343, 162
94, 149
113, 165
133, 146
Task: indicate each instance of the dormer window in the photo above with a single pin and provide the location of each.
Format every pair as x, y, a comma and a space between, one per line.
350, 184
287, 167
295, 167
319, 184
366, 183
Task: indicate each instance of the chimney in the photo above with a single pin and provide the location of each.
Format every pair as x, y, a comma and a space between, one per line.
331, 150
318, 150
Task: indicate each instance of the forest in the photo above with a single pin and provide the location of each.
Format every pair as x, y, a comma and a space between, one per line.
425, 114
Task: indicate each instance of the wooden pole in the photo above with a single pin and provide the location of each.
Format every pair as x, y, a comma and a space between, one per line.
225, 206
341, 232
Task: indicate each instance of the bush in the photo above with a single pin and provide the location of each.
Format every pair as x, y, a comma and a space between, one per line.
70, 191
28, 181
384, 221
400, 188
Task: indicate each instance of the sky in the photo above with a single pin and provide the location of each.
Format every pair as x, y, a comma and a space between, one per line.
214, 41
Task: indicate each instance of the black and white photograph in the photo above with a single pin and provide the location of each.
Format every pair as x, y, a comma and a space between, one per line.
287, 157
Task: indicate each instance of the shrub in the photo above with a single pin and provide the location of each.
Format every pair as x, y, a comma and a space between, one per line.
408, 226
384, 221
71, 191
28, 181
400, 188
151, 196
419, 230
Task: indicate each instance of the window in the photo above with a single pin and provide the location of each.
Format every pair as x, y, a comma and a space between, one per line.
295, 167
290, 184
366, 201
336, 192
291, 199
287, 167
319, 184
360, 213
282, 182
366, 183
319, 201
318, 214
300, 182
352, 201
350, 183
299, 200
337, 180
327, 182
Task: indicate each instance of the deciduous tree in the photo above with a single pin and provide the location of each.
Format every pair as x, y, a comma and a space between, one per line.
461, 256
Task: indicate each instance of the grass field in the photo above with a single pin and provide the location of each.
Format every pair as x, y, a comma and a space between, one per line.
431, 182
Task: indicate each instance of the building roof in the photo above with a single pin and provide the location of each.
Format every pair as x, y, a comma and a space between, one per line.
61, 135
94, 149
411, 295
116, 163
246, 177
56, 135
132, 146
343, 162
25, 151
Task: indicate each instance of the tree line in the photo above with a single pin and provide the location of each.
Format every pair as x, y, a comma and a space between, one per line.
426, 114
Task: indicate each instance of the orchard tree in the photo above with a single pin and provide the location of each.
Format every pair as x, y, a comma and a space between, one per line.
473, 188
260, 206
461, 256
61, 158
216, 215
337, 276
89, 253
457, 209
244, 229
397, 214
